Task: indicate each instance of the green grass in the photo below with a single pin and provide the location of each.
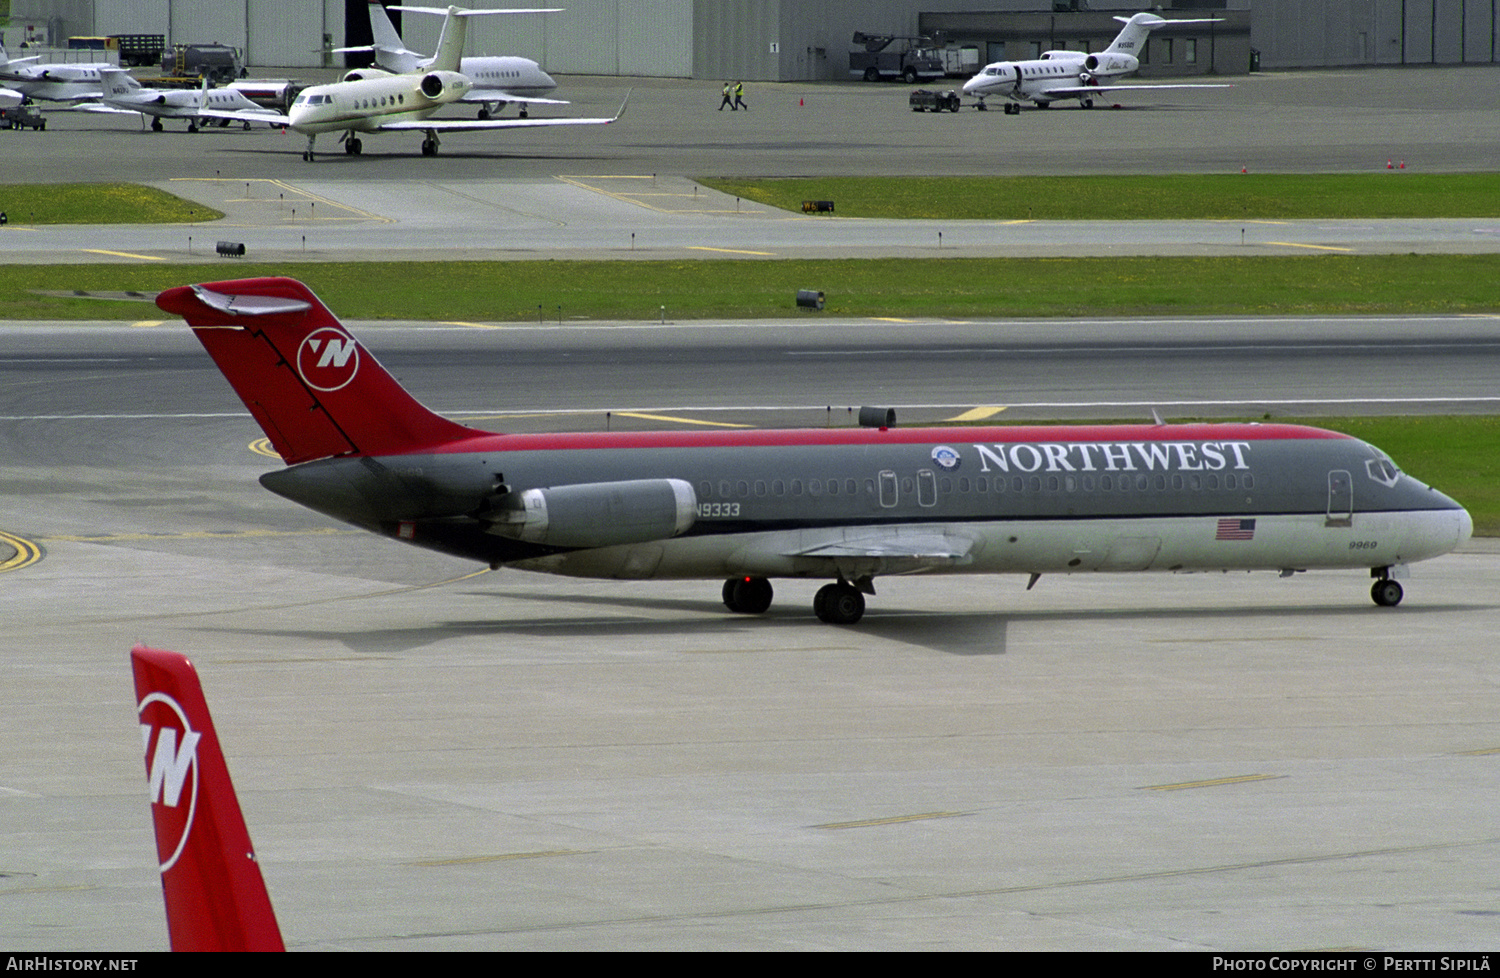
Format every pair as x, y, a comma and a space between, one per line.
97, 203
902, 288
1233, 197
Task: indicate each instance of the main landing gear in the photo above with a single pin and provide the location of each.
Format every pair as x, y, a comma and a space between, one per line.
747, 595
835, 604
839, 604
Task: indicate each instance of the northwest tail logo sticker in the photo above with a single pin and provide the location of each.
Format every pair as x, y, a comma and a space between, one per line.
328, 359
171, 746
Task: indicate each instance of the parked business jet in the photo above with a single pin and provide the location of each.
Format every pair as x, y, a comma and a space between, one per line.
498, 80
215, 896
843, 505
1074, 74
123, 94
51, 82
370, 100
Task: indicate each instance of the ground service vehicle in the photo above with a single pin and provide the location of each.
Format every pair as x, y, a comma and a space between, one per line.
926, 100
911, 64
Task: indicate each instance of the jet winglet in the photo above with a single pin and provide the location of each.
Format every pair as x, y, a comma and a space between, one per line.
215, 895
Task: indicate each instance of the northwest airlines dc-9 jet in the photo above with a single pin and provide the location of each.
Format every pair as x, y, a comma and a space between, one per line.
215, 895
1074, 74
842, 505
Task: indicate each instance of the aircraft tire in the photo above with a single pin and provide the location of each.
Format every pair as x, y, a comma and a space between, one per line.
838, 604
747, 595
1386, 593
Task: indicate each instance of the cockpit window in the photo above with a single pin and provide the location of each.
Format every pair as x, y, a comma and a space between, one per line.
1382, 470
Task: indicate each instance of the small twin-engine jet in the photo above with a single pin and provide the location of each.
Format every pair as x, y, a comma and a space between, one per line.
123, 94
215, 896
1074, 74
844, 505
498, 79
50, 82
369, 100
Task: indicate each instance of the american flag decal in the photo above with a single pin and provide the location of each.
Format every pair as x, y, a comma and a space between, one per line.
1235, 529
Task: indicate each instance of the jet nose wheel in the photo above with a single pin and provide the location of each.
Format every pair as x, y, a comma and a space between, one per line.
1386, 593
839, 604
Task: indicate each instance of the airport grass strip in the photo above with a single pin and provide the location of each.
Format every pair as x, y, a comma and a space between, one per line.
97, 203
892, 288
1180, 197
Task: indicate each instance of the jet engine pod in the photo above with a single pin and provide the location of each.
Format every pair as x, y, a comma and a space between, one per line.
445, 86
597, 514
1110, 65
362, 74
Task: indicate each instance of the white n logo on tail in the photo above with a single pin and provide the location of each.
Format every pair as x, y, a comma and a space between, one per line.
328, 359
170, 768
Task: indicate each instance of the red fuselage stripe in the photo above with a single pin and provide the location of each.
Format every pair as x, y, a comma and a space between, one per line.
803, 437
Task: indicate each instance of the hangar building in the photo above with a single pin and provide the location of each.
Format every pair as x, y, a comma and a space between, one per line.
794, 40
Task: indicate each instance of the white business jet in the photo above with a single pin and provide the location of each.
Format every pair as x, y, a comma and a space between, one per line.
123, 94
498, 80
50, 82
1074, 74
369, 100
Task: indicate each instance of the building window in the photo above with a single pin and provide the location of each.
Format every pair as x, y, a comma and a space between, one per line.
1190, 50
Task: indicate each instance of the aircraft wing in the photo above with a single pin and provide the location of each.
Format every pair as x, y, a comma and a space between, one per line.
269, 117
501, 95
884, 552
463, 125
101, 107
1086, 89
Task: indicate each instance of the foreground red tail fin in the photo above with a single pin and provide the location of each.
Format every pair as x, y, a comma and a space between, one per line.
216, 898
310, 386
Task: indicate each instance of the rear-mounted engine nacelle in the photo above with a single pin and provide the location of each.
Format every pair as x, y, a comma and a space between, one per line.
360, 74
445, 86
1109, 65
596, 514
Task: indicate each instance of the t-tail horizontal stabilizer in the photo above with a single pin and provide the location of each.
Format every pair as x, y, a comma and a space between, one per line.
215, 895
313, 389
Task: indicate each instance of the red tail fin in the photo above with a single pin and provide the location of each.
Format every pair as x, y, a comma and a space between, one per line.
216, 898
312, 388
